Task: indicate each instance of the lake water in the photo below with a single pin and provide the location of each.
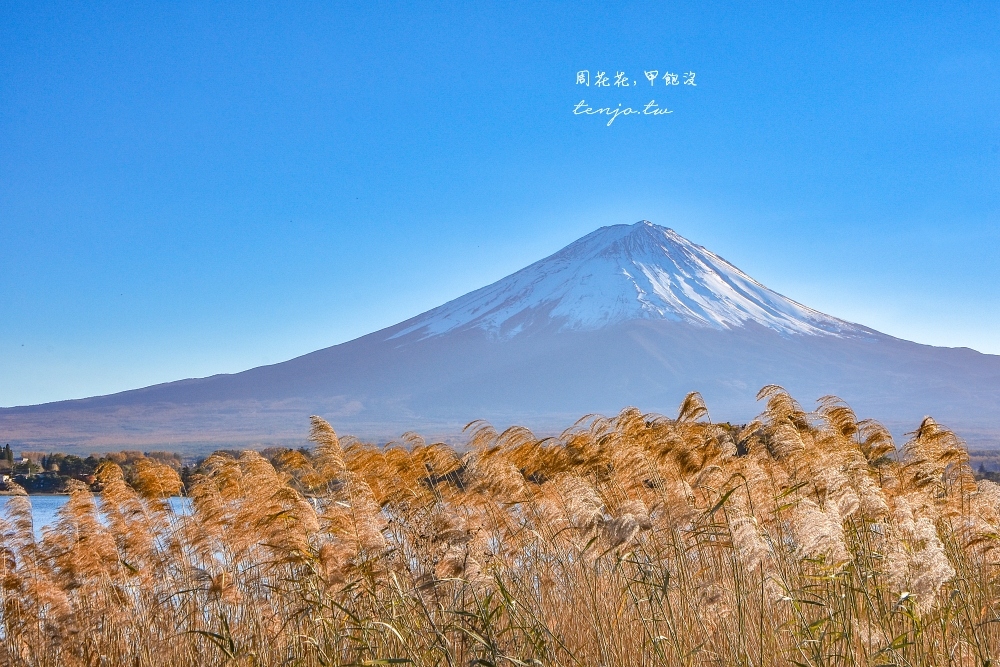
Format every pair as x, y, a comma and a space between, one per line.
44, 509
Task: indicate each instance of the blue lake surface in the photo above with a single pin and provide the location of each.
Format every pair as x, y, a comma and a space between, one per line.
44, 509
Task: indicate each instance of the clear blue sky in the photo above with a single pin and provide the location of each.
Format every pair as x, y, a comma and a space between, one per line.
188, 189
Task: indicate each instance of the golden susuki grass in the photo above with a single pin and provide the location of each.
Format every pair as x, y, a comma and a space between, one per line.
800, 539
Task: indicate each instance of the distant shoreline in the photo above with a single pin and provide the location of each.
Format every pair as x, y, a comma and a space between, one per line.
12, 494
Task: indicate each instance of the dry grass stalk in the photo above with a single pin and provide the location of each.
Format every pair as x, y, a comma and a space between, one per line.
635, 540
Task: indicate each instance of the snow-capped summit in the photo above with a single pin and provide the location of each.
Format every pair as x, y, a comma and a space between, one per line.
628, 315
625, 272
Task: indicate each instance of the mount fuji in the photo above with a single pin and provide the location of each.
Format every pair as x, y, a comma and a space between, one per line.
627, 315
622, 273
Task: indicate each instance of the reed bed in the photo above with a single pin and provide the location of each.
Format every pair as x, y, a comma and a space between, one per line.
799, 539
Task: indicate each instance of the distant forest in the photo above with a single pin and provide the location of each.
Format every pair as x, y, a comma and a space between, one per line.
52, 472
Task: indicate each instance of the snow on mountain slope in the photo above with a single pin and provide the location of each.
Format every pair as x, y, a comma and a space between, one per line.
626, 272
